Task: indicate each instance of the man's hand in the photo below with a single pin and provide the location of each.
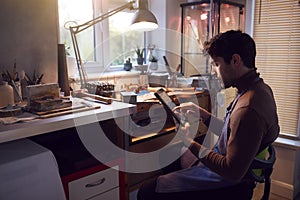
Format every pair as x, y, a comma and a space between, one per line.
197, 149
191, 111
185, 135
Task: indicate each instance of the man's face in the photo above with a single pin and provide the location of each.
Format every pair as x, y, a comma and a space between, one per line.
225, 72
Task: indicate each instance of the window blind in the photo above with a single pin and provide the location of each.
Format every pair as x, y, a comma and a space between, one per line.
277, 37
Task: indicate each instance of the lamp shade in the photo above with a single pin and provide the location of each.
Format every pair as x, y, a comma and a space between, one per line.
144, 20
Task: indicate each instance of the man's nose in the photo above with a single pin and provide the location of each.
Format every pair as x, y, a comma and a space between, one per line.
213, 70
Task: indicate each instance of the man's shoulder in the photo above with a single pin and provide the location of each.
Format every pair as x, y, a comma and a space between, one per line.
259, 97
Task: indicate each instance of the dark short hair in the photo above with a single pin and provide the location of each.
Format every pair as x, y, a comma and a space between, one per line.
232, 42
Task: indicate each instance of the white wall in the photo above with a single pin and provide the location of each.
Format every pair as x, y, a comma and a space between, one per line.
286, 175
173, 40
158, 36
29, 36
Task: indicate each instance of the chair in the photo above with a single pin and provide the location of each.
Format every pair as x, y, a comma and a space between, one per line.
265, 167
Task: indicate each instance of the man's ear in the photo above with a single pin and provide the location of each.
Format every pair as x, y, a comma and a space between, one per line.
236, 59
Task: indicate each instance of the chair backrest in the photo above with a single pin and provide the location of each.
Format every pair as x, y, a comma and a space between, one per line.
262, 168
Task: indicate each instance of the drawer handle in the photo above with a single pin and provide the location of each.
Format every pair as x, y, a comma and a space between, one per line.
96, 183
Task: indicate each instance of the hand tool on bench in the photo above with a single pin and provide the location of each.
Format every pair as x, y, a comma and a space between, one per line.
83, 94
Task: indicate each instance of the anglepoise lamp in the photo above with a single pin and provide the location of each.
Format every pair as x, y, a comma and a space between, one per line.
143, 20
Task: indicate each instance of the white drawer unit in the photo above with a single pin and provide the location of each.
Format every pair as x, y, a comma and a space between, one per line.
109, 195
95, 186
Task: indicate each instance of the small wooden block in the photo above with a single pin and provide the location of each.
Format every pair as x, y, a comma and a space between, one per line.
41, 91
46, 105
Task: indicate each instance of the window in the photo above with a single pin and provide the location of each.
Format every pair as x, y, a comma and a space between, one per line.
108, 43
123, 41
76, 12
277, 36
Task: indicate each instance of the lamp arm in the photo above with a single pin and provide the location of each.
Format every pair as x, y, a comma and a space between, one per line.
82, 27
77, 29
81, 70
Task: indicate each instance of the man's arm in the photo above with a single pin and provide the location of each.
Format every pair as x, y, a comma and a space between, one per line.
243, 144
214, 124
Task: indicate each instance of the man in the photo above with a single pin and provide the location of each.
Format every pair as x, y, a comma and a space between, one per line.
250, 125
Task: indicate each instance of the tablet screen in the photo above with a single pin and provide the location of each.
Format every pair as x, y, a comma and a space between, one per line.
163, 97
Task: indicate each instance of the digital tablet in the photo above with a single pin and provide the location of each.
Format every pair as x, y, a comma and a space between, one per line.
168, 104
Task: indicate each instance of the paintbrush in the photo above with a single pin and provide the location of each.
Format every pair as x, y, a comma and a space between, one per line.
12, 82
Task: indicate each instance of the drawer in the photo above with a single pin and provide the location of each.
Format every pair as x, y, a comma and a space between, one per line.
109, 195
94, 184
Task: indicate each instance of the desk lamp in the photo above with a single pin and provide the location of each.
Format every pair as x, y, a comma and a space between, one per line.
143, 20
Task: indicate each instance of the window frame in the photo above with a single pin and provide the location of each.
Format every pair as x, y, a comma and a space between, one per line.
102, 55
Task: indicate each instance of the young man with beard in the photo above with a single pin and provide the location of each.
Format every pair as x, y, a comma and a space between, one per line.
250, 125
